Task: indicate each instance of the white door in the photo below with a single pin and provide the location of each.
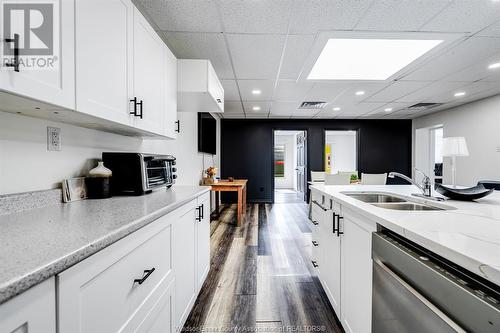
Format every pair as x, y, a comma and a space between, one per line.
203, 240
184, 257
170, 94
356, 279
104, 51
149, 78
331, 265
54, 84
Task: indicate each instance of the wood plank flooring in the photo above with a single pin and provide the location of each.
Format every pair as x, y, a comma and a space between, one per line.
261, 278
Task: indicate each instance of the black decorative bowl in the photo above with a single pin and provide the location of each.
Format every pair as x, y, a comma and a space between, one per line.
463, 194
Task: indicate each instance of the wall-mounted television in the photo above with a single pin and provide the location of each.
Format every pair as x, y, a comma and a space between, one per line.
207, 133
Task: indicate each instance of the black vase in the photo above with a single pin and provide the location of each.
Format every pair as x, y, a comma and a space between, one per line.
98, 187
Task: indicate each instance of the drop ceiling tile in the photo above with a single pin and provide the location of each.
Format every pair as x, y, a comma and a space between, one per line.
265, 86
291, 90
309, 17
478, 71
264, 107
296, 51
230, 90
465, 16
491, 31
431, 93
400, 15
349, 97
232, 107
455, 59
185, 15
397, 90
359, 109
284, 108
380, 111
234, 116
257, 115
263, 16
202, 46
278, 116
474, 91
256, 56
326, 91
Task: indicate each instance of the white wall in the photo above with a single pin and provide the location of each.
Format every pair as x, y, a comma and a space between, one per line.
479, 123
288, 140
26, 165
343, 150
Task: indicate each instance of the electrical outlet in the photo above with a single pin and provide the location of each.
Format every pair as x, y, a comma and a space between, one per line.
53, 139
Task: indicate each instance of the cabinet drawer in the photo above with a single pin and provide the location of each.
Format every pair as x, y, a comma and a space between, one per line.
116, 278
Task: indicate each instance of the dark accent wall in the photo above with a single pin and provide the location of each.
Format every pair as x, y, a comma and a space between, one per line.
247, 149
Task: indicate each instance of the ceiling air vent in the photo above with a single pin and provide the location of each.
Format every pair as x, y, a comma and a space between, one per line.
312, 105
423, 106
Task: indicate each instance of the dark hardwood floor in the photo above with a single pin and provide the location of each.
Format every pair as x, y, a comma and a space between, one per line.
261, 278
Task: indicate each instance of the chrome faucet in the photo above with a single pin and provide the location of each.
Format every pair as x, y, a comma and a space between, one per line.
425, 187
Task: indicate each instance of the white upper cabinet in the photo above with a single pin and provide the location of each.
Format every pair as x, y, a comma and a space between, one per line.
114, 71
149, 79
104, 53
199, 88
170, 94
53, 84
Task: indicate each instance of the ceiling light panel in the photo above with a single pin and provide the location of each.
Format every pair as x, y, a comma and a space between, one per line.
367, 59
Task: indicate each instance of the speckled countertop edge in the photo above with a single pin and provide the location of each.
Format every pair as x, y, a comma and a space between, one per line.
16, 286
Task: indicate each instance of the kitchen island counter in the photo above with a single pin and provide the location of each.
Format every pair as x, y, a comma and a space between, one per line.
468, 234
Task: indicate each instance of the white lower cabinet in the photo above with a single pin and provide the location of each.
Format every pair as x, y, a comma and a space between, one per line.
105, 292
345, 265
356, 270
146, 282
203, 240
31, 312
185, 263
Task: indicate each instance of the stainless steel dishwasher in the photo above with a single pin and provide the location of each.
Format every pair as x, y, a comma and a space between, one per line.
415, 290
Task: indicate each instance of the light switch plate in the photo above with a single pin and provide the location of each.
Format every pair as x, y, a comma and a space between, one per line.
53, 139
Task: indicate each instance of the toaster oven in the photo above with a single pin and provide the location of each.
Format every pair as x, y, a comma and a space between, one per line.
137, 173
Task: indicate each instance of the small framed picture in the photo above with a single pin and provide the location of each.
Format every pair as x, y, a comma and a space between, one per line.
74, 189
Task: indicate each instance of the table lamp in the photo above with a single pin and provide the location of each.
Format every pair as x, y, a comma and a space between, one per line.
453, 147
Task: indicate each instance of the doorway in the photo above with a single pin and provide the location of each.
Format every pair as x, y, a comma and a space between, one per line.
290, 166
428, 155
341, 151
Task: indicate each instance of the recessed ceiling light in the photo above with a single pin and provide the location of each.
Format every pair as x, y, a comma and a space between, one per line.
367, 59
388, 109
360, 93
256, 108
494, 66
459, 94
336, 108
256, 92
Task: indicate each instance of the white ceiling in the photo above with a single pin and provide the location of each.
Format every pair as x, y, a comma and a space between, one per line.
264, 44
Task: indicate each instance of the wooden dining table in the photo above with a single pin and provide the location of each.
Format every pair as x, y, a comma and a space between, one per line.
237, 185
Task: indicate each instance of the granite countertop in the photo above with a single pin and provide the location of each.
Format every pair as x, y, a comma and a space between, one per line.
39, 243
468, 235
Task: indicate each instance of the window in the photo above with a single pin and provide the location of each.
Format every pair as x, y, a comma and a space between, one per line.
279, 161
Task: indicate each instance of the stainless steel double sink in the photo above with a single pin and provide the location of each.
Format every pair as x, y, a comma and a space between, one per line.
395, 202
